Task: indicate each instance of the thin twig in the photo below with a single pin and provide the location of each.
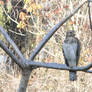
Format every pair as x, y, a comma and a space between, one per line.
16, 33
8, 15
49, 52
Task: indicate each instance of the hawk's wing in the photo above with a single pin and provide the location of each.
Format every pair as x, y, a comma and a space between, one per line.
66, 61
78, 51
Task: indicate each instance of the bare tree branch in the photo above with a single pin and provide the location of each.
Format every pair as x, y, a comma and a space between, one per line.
18, 62
58, 66
89, 0
89, 12
88, 71
7, 37
52, 31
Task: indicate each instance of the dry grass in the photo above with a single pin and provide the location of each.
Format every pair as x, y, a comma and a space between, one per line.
51, 80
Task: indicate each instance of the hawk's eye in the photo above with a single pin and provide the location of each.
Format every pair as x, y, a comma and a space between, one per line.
70, 32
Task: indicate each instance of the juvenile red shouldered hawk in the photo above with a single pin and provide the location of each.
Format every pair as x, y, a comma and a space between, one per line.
71, 52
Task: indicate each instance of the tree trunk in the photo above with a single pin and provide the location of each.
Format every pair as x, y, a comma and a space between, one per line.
24, 80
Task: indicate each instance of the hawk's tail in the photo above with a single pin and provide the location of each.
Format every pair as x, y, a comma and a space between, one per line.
72, 76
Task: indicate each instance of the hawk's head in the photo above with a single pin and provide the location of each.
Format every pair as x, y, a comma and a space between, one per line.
70, 33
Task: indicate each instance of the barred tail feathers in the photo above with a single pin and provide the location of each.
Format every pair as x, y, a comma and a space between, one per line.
72, 76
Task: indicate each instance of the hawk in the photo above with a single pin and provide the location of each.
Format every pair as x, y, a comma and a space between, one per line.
71, 52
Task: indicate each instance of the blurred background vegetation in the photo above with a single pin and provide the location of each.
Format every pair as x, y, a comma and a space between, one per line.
27, 22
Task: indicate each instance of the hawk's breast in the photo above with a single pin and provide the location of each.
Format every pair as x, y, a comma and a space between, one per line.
70, 53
